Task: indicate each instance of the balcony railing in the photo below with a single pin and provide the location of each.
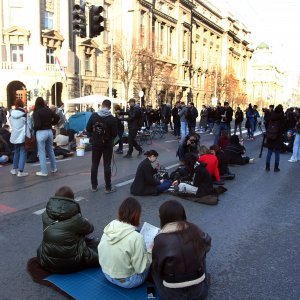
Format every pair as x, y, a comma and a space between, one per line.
8, 65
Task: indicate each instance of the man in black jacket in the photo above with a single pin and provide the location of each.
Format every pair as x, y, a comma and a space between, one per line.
103, 128
133, 120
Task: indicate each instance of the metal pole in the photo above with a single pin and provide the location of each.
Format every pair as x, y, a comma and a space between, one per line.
111, 54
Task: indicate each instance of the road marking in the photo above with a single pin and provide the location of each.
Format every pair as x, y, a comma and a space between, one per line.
171, 141
40, 211
172, 166
4, 209
124, 183
48, 162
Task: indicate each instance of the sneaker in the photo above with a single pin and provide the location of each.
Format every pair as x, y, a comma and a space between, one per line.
59, 157
94, 189
22, 174
111, 190
292, 160
54, 171
118, 151
251, 160
127, 156
140, 153
13, 171
41, 174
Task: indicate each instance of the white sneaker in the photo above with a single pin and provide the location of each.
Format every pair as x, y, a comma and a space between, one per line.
292, 160
251, 160
14, 171
41, 174
54, 171
22, 174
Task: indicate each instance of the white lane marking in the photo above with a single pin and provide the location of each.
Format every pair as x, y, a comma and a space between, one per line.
172, 166
171, 141
40, 211
124, 183
48, 162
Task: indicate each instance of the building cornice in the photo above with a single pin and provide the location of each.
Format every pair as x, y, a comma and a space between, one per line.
163, 15
208, 22
188, 3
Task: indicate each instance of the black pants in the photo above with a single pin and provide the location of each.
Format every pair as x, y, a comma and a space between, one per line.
132, 142
97, 151
176, 128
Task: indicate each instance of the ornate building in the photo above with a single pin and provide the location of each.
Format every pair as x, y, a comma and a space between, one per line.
182, 50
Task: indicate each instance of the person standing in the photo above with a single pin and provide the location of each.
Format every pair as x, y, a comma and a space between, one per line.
43, 119
120, 127
103, 128
191, 117
133, 121
183, 121
274, 137
225, 116
18, 120
203, 119
239, 117
176, 119
296, 148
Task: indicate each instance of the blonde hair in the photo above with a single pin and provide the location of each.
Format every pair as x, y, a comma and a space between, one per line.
203, 150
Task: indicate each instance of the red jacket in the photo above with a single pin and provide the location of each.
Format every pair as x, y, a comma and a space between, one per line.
211, 165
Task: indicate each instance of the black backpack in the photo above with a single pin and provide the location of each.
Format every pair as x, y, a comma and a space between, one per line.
273, 130
100, 130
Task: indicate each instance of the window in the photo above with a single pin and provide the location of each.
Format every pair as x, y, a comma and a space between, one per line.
50, 56
17, 53
87, 62
48, 20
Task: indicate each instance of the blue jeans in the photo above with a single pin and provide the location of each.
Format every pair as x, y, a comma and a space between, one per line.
165, 185
277, 156
183, 130
129, 282
296, 148
19, 157
44, 140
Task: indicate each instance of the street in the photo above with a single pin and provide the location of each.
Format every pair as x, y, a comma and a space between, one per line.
254, 228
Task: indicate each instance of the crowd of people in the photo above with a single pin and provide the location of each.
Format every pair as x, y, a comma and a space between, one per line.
175, 261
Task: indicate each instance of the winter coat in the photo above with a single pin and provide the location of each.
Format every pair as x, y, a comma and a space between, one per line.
18, 126
178, 267
278, 142
63, 249
233, 154
133, 119
182, 114
212, 167
239, 116
111, 129
144, 182
203, 180
122, 251
44, 118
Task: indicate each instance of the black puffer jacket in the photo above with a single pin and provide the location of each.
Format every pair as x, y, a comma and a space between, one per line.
44, 118
133, 119
63, 249
277, 117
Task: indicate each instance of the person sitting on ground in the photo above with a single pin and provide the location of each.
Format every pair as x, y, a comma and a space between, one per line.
145, 182
201, 184
122, 250
222, 163
234, 152
65, 247
190, 144
211, 162
179, 254
5, 152
288, 142
224, 139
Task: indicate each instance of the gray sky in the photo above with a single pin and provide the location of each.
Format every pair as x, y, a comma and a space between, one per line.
275, 22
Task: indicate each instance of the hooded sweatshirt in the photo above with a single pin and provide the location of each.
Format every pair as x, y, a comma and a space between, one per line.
122, 251
18, 126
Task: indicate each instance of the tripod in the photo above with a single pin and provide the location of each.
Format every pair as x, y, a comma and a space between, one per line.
263, 141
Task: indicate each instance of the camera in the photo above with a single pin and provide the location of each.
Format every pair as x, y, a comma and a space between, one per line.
162, 173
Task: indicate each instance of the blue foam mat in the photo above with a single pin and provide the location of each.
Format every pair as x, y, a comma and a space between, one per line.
91, 284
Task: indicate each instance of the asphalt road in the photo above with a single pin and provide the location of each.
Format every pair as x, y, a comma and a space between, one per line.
255, 228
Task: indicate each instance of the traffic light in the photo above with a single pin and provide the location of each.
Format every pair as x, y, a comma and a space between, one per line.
27, 96
115, 93
79, 20
95, 20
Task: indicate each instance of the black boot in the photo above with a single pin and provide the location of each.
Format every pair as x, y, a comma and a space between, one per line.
268, 167
276, 169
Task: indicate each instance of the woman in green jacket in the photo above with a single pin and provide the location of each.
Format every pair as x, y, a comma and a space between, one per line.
65, 247
122, 250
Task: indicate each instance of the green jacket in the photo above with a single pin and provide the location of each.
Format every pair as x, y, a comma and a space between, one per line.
63, 249
122, 251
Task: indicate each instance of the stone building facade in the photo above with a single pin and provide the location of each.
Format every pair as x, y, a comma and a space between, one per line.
193, 43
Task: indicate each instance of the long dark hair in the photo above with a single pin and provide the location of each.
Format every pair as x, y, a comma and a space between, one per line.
189, 161
39, 103
130, 211
173, 211
150, 153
